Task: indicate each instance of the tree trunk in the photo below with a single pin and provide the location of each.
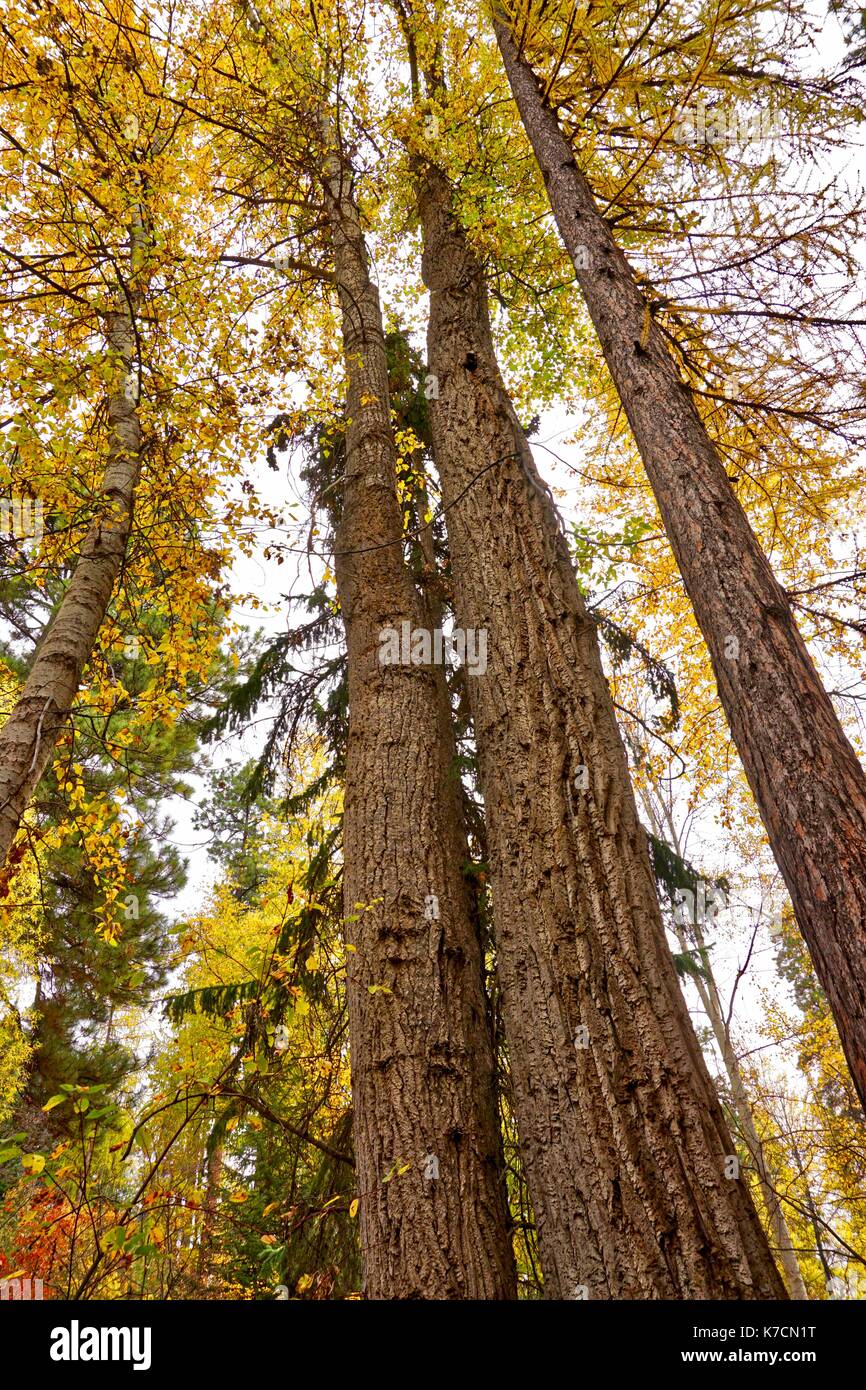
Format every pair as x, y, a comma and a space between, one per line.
815, 1224
430, 1177
623, 1139
782, 1243
807, 782
204, 1264
28, 737
708, 994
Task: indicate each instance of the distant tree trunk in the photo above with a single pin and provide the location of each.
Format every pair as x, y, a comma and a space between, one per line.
28, 737
808, 784
782, 1243
814, 1222
708, 993
430, 1177
623, 1139
204, 1268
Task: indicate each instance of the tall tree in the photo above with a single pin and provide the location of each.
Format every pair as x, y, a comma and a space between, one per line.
623, 1140
29, 734
431, 1184
433, 1217
103, 149
806, 779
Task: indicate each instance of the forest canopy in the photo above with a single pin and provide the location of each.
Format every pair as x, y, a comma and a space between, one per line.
432, 613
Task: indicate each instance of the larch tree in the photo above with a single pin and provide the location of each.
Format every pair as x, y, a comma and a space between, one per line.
805, 776
623, 1140
433, 1212
433, 1217
436, 972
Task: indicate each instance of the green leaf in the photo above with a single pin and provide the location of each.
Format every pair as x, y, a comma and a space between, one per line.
686, 964
114, 1239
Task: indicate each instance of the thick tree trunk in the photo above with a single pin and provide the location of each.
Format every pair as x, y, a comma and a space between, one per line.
28, 737
430, 1178
808, 784
623, 1140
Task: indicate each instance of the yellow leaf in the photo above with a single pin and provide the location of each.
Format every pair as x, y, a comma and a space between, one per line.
353, 1209
645, 330
239, 1197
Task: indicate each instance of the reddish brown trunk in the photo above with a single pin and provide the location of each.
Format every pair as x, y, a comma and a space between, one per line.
623, 1140
808, 784
432, 1203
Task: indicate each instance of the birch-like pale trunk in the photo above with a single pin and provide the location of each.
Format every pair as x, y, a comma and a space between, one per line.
29, 735
783, 1245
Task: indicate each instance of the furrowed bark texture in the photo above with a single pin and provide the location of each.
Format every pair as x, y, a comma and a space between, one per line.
623, 1139
421, 1054
805, 777
29, 734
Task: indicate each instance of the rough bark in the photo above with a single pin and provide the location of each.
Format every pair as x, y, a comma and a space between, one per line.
807, 782
28, 737
623, 1139
421, 1054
